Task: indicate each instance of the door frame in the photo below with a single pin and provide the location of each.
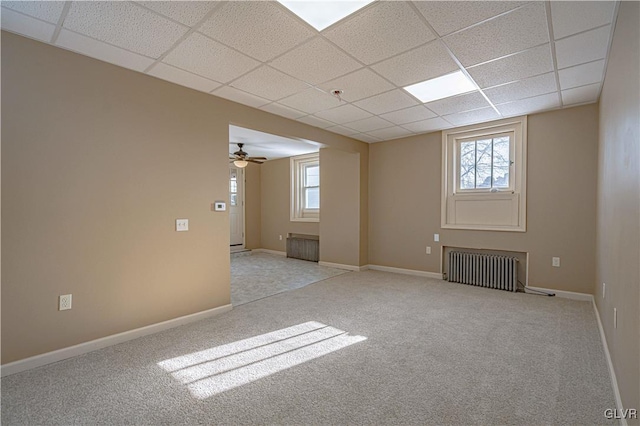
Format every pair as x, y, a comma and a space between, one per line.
240, 247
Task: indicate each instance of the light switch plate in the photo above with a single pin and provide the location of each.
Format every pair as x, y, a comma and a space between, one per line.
555, 261
220, 206
182, 225
436, 237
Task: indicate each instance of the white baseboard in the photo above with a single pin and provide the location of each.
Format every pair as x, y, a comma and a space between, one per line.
612, 372
83, 348
341, 266
425, 274
583, 297
276, 252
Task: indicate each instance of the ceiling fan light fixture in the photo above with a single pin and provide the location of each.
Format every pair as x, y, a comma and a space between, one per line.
240, 163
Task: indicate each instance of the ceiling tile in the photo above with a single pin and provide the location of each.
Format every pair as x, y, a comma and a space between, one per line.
448, 16
188, 13
316, 61
203, 56
48, 11
369, 124
527, 88
510, 33
581, 94
390, 133
184, 78
380, 31
25, 25
470, 117
125, 25
515, 67
581, 48
429, 125
269, 83
341, 130
408, 115
103, 51
417, 65
239, 96
460, 103
343, 114
358, 85
261, 29
365, 138
387, 102
581, 75
311, 101
571, 17
316, 122
283, 111
530, 105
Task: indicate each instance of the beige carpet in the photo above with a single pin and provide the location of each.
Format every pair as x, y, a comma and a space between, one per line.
360, 348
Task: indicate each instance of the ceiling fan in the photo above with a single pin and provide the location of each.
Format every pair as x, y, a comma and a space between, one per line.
240, 158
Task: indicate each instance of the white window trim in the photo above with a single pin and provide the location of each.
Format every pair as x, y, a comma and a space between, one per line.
515, 197
297, 212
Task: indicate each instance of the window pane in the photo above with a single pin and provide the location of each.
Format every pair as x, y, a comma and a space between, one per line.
234, 199
312, 176
501, 162
233, 186
483, 164
467, 165
312, 198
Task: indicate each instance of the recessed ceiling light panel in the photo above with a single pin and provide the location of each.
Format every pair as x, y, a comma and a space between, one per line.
445, 86
321, 14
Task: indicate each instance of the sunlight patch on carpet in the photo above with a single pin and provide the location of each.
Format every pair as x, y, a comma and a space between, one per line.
215, 370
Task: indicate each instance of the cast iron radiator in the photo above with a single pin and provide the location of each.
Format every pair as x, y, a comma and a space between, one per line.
483, 270
305, 247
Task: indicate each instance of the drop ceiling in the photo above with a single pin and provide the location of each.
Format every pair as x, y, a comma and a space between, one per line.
523, 57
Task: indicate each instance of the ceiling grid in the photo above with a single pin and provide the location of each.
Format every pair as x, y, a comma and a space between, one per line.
522, 57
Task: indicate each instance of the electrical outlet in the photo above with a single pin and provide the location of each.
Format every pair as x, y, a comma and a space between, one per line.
64, 302
604, 293
428, 250
555, 261
615, 318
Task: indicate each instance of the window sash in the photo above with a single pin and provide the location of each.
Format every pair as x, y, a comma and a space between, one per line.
484, 137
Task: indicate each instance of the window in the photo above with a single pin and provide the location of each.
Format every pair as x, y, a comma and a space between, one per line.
233, 187
483, 164
305, 188
484, 176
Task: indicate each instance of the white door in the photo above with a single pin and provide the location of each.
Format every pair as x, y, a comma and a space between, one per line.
236, 207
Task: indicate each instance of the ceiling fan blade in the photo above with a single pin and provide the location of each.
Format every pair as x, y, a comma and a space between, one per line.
251, 160
258, 158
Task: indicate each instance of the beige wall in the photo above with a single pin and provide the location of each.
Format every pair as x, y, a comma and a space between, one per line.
97, 164
340, 207
276, 199
618, 247
404, 211
340, 225
253, 206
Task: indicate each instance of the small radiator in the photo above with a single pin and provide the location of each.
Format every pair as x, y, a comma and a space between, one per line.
483, 270
305, 247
